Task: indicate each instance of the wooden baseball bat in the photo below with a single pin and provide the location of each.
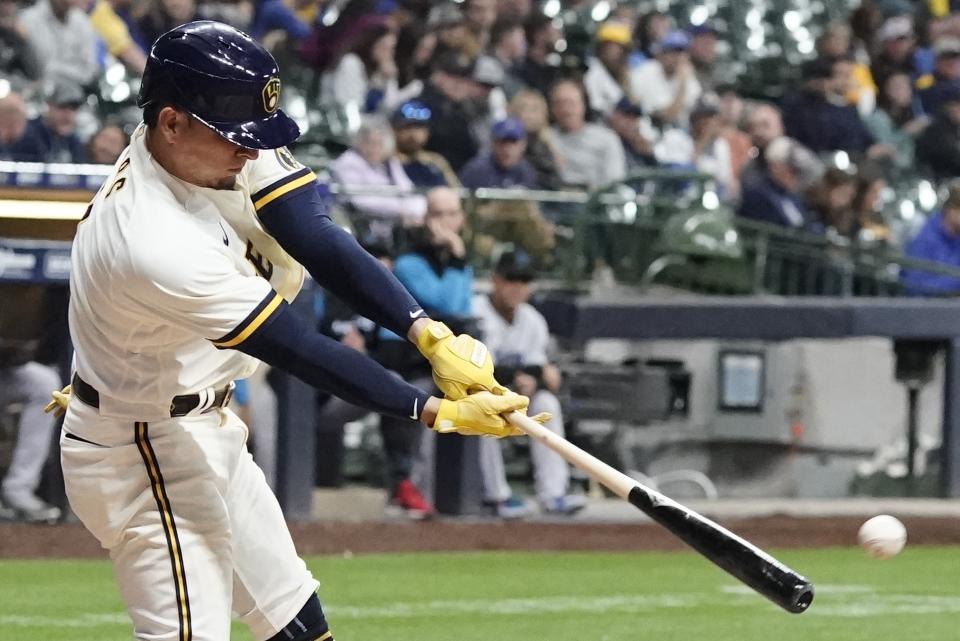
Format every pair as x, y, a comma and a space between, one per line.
742, 559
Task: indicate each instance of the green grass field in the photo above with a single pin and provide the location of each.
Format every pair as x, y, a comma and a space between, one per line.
533, 596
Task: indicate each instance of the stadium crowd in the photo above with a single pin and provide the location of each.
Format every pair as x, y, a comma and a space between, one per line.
497, 93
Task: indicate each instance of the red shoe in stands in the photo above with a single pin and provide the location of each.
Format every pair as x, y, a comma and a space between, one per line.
408, 498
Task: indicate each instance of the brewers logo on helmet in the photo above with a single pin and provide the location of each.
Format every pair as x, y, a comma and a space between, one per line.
223, 78
271, 95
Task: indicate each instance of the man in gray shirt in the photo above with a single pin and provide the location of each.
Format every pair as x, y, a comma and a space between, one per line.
64, 40
591, 155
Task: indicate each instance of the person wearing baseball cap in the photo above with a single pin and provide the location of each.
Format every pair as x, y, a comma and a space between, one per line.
938, 147
946, 72
607, 71
451, 94
52, 137
898, 52
703, 53
667, 86
517, 335
504, 165
411, 131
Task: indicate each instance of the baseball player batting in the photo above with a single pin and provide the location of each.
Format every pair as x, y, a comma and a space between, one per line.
182, 270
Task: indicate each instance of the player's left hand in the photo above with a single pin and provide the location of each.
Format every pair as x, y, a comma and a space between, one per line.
461, 364
59, 401
481, 414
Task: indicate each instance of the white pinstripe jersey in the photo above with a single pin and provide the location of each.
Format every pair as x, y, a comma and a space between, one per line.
166, 274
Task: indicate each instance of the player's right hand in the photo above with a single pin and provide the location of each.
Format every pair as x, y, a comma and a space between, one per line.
480, 414
59, 401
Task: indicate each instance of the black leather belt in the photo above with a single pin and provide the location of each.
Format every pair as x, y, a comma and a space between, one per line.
180, 405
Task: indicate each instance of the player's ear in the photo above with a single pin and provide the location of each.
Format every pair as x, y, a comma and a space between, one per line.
171, 123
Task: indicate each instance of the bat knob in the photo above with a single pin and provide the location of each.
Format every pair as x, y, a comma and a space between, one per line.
802, 598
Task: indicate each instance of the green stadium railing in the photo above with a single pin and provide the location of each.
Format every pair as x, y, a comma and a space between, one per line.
663, 227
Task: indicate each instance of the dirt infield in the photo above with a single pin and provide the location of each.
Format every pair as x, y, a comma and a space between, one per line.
73, 541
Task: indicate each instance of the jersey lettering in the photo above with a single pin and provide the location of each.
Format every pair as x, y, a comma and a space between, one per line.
121, 180
263, 266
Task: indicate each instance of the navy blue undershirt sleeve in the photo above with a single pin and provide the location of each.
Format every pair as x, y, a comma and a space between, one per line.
287, 342
336, 261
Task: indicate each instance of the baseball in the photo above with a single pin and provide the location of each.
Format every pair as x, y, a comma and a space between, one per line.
882, 536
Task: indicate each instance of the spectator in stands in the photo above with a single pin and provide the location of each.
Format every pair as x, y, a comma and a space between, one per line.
52, 137
514, 9
636, 133
774, 197
370, 163
115, 34
518, 339
130, 12
416, 47
938, 147
590, 154
491, 102
64, 40
897, 121
518, 221
711, 153
937, 241
835, 43
508, 46
607, 83
478, 16
818, 115
453, 97
438, 276
366, 74
530, 107
732, 112
411, 130
29, 383
831, 201
504, 166
163, 15
18, 61
667, 86
946, 74
447, 25
703, 55
607, 77
280, 15
106, 145
13, 125
897, 51
400, 437
650, 29
764, 125
868, 207
538, 71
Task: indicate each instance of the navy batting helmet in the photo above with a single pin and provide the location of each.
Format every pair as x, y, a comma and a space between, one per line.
224, 79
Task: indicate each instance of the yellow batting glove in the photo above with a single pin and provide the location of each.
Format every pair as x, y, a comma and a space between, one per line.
480, 414
461, 364
58, 401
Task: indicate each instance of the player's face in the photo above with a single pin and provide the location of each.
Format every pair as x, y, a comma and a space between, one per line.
211, 160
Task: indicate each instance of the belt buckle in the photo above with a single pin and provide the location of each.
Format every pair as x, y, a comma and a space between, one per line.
228, 394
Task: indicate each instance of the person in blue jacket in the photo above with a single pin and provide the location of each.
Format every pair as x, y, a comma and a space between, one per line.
938, 241
436, 273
